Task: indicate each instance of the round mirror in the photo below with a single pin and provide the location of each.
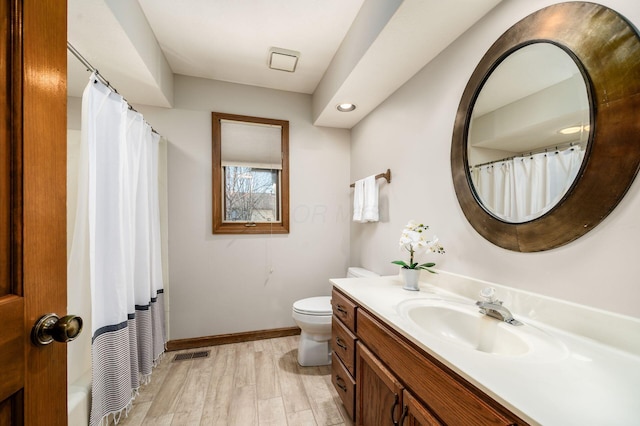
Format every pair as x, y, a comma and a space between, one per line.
605, 50
528, 132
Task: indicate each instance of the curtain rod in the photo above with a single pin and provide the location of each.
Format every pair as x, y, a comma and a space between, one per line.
89, 67
555, 148
386, 175
99, 76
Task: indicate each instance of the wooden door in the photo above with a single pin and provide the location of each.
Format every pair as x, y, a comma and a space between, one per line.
33, 66
416, 414
378, 392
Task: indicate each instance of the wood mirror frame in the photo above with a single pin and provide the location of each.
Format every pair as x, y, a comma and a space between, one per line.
607, 48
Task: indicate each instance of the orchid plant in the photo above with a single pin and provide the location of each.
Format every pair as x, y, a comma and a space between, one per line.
413, 239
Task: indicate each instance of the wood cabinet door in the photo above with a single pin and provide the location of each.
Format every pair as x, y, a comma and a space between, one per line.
33, 103
416, 414
378, 392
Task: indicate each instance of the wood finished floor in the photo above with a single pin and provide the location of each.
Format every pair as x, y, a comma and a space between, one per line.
255, 383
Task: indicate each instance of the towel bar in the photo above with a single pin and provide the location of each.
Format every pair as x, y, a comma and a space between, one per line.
386, 175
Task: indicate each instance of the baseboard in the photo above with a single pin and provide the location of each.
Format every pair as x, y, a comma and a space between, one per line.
223, 339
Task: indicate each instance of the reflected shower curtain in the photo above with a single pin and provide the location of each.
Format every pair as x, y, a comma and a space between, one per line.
523, 188
116, 245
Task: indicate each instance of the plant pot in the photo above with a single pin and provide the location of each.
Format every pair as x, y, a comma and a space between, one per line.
410, 277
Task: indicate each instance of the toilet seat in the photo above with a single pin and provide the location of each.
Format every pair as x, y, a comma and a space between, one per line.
314, 306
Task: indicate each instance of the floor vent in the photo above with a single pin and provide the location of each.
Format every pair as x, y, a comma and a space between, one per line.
191, 355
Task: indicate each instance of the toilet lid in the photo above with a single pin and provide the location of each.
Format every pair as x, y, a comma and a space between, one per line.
314, 306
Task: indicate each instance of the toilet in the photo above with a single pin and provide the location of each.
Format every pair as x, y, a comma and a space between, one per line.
313, 316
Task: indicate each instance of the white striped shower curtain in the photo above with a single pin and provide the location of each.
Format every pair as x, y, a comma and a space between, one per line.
116, 248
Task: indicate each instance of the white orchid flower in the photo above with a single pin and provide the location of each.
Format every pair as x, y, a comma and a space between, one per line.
414, 240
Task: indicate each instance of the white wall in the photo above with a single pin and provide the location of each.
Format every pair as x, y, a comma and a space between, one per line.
410, 133
227, 283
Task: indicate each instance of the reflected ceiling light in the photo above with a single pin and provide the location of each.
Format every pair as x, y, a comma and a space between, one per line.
346, 107
574, 129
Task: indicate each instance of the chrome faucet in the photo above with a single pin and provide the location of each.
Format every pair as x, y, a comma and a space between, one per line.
491, 306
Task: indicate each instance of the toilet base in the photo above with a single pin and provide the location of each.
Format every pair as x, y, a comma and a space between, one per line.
313, 353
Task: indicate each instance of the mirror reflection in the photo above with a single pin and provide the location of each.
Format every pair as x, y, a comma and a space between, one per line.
528, 132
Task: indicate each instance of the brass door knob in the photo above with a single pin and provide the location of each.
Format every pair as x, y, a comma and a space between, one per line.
50, 327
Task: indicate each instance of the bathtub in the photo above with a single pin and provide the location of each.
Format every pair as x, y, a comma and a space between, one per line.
79, 400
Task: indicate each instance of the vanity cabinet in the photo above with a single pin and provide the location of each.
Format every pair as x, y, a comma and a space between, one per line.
414, 413
344, 309
396, 380
343, 347
345, 386
379, 393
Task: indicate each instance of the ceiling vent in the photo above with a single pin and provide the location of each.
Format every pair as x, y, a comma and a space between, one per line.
283, 59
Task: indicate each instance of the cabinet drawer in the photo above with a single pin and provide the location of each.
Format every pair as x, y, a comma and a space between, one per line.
451, 399
343, 344
345, 386
344, 309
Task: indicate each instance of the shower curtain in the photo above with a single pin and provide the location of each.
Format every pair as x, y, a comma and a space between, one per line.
523, 188
116, 248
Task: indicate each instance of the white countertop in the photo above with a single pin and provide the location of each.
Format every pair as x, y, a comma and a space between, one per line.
594, 381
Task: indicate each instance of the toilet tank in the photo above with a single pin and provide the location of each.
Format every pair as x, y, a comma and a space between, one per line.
355, 272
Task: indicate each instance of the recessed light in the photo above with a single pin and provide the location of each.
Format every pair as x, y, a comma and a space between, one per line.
574, 129
346, 107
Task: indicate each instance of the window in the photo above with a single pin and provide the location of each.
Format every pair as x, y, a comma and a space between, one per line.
251, 194
250, 175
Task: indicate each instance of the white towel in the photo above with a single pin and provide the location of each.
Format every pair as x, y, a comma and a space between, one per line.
370, 208
358, 200
365, 200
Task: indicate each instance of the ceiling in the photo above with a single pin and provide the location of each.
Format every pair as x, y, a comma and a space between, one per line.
357, 51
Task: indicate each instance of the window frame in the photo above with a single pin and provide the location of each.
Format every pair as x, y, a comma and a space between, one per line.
219, 224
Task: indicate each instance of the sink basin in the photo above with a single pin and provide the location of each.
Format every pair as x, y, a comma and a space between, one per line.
463, 325
469, 328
